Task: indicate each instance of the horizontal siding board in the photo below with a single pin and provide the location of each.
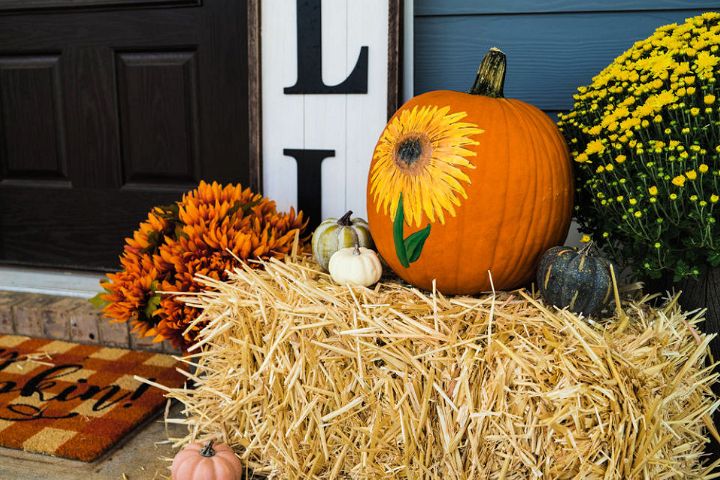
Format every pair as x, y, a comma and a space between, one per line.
484, 7
549, 56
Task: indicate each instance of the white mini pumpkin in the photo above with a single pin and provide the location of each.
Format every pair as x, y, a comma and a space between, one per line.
356, 266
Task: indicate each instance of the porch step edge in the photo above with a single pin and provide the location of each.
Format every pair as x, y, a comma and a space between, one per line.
67, 318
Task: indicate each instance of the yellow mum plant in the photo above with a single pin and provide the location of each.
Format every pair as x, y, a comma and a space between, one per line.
207, 233
645, 138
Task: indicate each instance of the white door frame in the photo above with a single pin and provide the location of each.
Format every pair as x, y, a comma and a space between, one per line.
408, 66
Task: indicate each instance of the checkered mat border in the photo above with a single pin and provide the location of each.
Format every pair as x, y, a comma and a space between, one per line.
76, 401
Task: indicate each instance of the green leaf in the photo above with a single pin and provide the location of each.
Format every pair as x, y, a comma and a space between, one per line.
154, 240
179, 233
714, 259
250, 205
236, 206
168, 212
398, 234
415, 242
153, 304
245, 207
98, 302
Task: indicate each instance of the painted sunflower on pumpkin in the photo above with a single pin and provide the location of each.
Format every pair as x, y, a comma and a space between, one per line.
419, 170
206, 233
421, 156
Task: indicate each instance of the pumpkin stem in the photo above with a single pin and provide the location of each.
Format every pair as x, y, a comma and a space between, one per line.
345, 219
207, 450
490, 78
587, 249
357, 249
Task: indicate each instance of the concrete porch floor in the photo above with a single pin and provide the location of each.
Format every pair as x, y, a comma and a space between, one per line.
140, 457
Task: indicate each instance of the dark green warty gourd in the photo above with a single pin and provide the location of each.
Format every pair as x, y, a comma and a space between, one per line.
575, 279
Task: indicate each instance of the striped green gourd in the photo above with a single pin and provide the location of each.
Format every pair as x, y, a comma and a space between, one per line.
336, 233
575, 279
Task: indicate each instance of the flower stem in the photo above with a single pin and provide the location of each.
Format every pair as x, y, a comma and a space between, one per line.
587, 249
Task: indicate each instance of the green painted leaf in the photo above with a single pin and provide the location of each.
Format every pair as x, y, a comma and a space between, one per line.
398, 234
415, 242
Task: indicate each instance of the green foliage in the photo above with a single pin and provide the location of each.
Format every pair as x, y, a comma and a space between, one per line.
98, 301
153, 304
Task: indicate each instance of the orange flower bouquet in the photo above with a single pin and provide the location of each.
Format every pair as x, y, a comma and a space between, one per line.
203, 234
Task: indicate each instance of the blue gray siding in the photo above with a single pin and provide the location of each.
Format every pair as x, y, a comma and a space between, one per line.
553, 46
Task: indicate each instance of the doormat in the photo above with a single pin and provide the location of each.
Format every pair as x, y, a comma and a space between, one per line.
76, 401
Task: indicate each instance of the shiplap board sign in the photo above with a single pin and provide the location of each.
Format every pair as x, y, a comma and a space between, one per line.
302, 110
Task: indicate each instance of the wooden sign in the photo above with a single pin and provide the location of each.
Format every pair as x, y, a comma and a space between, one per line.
329, 81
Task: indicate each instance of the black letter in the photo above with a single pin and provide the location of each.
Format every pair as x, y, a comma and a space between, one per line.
7, 386
309, 59
309, 184
39, 381
10, 358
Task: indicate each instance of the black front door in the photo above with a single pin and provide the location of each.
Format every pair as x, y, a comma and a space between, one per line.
108, 107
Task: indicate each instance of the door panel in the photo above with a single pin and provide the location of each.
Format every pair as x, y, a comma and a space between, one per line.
31, 116
105, 113
90, 117
157, 94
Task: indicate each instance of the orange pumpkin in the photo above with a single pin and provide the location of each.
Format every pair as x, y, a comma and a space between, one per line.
206, 462
465, 183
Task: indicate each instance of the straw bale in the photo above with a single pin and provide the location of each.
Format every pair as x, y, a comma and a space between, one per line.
311, 380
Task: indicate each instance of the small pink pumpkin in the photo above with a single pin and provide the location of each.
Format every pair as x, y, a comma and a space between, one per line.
198, 462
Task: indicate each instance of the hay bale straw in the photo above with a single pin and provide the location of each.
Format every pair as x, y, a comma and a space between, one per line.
312, 380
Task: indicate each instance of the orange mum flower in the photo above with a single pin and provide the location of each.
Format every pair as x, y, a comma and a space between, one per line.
203, 234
